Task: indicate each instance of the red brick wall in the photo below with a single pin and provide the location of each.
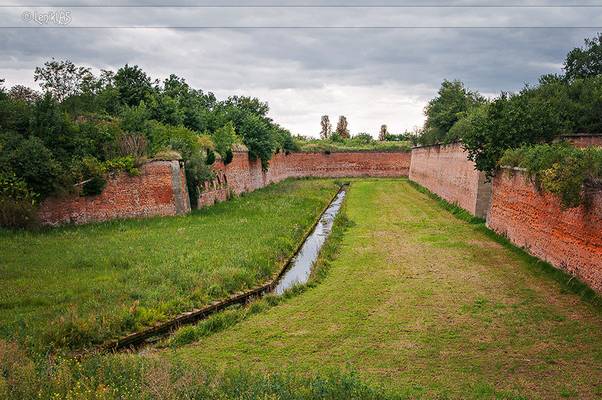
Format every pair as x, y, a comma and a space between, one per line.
568, 239
446, 171
244, 175
339, 164
160, 189
584, 139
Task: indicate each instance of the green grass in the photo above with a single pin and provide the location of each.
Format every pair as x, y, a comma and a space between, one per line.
322, 146
426, 305
538, 266
76, 286
235, 314
407, 302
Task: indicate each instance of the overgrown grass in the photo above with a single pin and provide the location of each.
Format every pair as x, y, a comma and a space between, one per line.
125, 377
76, 286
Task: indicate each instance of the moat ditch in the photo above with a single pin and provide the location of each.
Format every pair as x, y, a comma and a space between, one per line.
302, 263
296, 271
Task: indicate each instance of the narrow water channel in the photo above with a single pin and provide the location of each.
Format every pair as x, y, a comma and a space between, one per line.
304, 260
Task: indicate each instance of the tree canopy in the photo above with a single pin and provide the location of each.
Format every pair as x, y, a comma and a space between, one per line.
557, 105
81, 127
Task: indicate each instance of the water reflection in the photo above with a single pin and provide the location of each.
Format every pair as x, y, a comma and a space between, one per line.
303, 262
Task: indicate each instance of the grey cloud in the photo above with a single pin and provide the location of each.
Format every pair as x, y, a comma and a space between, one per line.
302, 71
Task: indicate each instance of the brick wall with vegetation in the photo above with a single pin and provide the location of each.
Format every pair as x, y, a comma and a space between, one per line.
159, 189
568, 238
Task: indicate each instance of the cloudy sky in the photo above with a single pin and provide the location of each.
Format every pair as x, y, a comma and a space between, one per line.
373, 64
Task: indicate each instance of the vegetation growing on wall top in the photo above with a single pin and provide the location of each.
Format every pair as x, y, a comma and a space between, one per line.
359, 142
564, 170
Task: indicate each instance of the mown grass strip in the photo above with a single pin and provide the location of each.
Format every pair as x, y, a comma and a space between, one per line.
538, 266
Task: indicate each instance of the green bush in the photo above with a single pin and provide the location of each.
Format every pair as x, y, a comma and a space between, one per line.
210, 159
362, 139
17, 203
197, 173
90, 175
568, 172
257, 136
30, 160
125, 164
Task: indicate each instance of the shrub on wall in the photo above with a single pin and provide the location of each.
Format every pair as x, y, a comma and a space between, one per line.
91, 174
564, 170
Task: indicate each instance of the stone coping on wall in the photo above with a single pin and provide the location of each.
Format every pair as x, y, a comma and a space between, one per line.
457, 142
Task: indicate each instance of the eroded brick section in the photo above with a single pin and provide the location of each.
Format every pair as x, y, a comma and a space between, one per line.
568, 239
154, 192
215, 191
244, 175
446, 171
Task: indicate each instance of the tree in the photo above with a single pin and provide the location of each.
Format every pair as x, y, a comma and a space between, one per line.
585, 62
342, 129
62, 78
283, 139
14, 113
382, 136
133, 119
167, 109
442, 112
257, 136
510, 121
223, 138
133, 85
326, 127
23, 93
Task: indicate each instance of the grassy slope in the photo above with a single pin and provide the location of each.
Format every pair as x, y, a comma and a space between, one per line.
78, 285
427, 304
